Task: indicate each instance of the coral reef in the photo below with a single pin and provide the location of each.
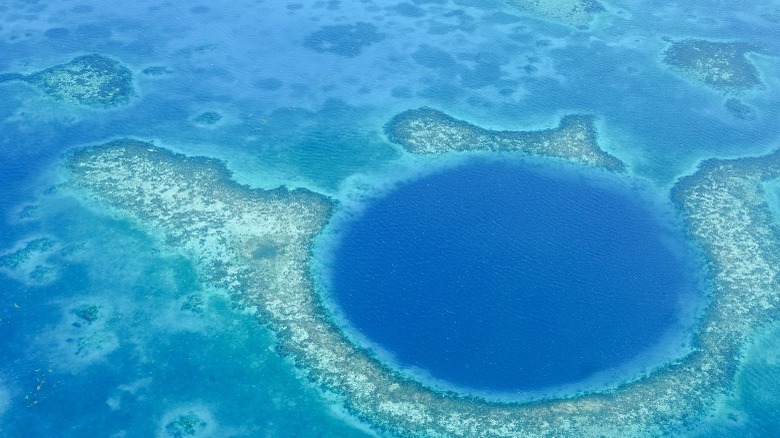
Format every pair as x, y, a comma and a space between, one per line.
740, 110
431, 132
185, 425
29, 262
208, 118
193, 303
88, 312
91, 80
192, 206
346, 40
156, 70
722, 66
577, 13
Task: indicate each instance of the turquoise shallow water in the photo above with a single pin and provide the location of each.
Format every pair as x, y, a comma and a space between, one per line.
106, 331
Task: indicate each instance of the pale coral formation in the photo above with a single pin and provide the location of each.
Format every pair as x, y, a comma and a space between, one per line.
722, 66
192, 206
578, 13
91, 80
427, 131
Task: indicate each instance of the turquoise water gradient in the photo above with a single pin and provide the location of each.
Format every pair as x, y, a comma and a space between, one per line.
303, 89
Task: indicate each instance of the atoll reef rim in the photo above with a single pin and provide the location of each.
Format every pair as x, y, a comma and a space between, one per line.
193, 207
407, 218
555, 257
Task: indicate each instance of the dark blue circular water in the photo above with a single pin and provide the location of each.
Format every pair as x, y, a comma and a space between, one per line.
505, 276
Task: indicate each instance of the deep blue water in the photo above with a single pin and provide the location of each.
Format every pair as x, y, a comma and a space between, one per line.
507, 276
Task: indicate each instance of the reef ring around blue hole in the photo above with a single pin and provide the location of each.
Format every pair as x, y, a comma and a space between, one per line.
512, 276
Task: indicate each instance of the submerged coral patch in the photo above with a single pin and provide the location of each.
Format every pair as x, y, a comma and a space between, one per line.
191, 421
57, 33
208, 118
156, 70
740, 110
720, 65
193, 303
88, 312
91, 80
29, 261
346, 40
578, 13
85, 335
185, 425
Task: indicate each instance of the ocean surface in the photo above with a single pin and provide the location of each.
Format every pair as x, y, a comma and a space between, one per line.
542, 283
105, 330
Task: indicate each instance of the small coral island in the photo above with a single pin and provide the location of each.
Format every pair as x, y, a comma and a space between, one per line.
720, 65
427, 131
90, 80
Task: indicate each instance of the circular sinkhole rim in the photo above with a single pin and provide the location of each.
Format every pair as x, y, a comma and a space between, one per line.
677, 341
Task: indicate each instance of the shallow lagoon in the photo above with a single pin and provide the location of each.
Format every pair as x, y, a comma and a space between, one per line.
507, 276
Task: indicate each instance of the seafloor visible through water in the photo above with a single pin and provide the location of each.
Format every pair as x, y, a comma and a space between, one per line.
459, 218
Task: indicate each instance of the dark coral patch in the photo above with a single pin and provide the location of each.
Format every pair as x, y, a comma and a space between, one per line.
740, 110
56, 33
346, 40
156, 70
208, 118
